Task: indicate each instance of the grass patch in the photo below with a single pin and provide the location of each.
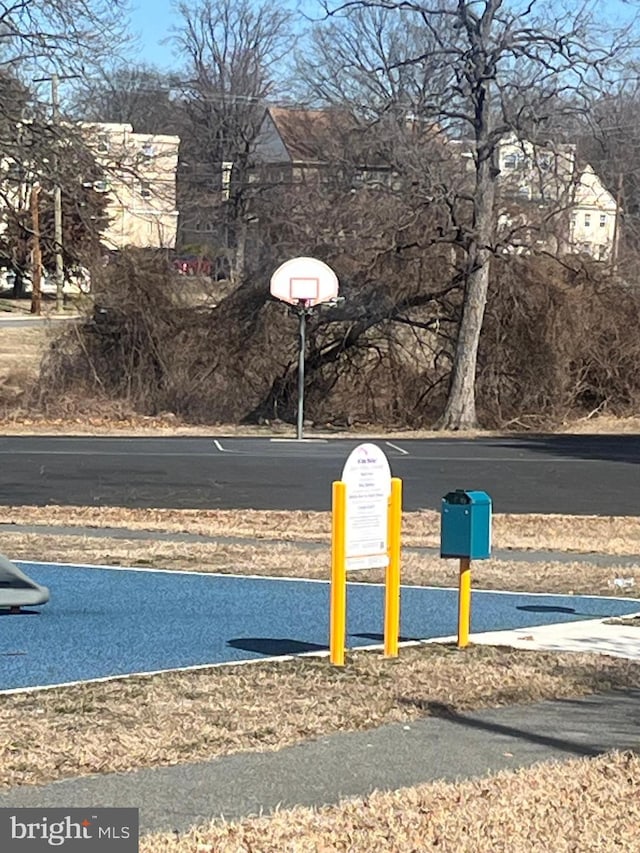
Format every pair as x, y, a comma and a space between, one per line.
580, 805
20, 353
597, 534
192, 716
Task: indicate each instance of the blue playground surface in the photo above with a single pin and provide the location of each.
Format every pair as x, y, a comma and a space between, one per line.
103, 622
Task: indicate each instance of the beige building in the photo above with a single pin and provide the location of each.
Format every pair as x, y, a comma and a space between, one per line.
140, 179
566, 201
593, 217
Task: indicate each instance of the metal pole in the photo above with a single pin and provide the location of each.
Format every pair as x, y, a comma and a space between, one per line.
57, 204
303, 343
36, 256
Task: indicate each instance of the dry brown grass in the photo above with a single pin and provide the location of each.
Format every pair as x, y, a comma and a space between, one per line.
20, 353
581, 806
597, 534
288, 560
169, 425
190, 716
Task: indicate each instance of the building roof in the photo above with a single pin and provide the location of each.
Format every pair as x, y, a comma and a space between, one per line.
328, 135
308, 134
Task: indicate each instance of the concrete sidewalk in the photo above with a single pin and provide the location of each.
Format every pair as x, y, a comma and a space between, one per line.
617, 638
446, 746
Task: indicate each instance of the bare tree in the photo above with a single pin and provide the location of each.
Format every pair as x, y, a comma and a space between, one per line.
233, 50
37, 152
67, 34
139, 95
484, 70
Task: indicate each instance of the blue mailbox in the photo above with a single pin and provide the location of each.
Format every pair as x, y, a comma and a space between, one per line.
465, 525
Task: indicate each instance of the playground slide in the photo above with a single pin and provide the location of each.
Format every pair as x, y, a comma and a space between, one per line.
17, 589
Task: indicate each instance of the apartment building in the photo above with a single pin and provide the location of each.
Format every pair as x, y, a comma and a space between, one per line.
140, 180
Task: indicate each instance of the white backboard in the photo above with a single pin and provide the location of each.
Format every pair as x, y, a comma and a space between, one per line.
304, 280
368, 486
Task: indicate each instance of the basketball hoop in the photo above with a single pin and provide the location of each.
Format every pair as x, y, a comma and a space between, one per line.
304, 283
304, 280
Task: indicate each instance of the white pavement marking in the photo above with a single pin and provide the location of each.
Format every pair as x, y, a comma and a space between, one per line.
151, 570
219, 446
395, 447
150, 673
100, 453
300, 440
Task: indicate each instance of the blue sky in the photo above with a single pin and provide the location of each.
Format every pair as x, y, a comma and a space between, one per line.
151, 21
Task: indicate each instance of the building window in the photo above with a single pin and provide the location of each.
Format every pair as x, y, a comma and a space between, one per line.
145, 189
587, 220
603, 220
511, 161
15, 171
148, 150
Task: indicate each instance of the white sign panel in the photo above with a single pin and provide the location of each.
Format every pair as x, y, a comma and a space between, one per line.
368, 486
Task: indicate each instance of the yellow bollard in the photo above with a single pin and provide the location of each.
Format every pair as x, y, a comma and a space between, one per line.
464, 603
392, 584
338, 604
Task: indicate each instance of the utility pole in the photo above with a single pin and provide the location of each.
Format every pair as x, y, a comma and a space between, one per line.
57, 190
36, 254
57, 203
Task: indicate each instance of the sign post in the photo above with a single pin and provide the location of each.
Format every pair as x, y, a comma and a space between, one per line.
303, 283
366, 523
338, 605
392, 582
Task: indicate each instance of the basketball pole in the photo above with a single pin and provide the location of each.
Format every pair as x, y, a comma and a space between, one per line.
302, 314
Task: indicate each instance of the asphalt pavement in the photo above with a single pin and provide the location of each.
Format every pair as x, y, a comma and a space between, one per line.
577, 475
444, 746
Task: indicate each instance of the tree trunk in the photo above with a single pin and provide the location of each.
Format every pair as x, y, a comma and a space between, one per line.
240, 252
460, 409
18, 284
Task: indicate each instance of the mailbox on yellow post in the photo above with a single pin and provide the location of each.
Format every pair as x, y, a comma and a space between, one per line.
465, 533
